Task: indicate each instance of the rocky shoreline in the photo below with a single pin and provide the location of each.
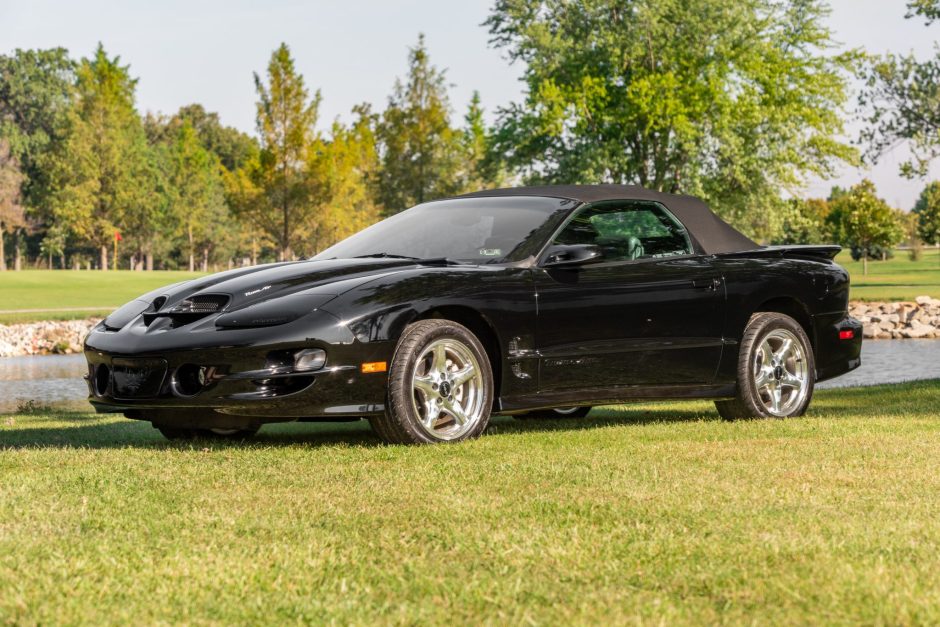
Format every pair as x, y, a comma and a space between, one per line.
51, 337
919, 319
899, 320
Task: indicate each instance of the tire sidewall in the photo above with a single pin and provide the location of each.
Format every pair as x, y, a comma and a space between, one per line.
757, 329
414, 340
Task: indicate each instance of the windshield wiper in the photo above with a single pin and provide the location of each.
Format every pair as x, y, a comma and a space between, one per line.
387, 255
446, 261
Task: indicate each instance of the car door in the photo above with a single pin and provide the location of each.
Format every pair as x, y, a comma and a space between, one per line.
648, 312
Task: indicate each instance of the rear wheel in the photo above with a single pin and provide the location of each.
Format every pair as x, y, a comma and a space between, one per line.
440, 386
555, 413
776, 370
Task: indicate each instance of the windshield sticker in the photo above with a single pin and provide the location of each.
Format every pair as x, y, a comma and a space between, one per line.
491, 252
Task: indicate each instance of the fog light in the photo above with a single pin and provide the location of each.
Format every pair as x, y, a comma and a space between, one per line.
309, 359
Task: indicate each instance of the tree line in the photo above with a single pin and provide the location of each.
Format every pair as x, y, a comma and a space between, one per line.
737, 103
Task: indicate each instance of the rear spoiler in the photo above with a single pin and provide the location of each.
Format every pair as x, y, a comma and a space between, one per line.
819, 251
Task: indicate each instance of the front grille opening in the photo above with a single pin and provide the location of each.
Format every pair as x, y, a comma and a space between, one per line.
102, 379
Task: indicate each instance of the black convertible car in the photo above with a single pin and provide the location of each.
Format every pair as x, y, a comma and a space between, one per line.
538, 301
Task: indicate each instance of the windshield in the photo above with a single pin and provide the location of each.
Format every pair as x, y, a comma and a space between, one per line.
475, 230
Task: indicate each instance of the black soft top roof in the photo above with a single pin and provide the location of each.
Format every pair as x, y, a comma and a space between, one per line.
713, 234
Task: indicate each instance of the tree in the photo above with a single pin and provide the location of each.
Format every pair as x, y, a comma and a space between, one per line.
927, 210
420, 152
731, 101
865, 222
35, 95
480, 167
11, 209
343, 168
197, 200
804, 222
900, 102
103, 173
231, 146
272, 190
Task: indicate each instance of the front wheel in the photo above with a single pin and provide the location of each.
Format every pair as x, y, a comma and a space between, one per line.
776, 370
440, 386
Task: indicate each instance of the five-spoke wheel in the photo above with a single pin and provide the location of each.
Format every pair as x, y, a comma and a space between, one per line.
448, 389
440, 386
776, 370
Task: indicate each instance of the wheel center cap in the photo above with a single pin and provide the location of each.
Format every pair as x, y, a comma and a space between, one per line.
778, 372
445, 388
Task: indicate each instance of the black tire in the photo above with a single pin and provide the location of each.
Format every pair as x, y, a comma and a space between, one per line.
401, 423
753, 402
174, 433
558, 413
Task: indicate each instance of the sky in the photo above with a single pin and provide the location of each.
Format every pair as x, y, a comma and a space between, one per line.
205, 51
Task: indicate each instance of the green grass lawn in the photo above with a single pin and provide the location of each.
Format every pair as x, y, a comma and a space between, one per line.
65, 294
895, 279
69, 294
638, 514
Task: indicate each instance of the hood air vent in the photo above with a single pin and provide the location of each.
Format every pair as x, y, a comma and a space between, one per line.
191, 309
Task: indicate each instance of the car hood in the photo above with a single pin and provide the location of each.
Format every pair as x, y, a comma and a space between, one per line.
248, 286
294, 286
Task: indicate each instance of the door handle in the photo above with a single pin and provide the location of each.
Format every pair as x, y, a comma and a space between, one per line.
706, 284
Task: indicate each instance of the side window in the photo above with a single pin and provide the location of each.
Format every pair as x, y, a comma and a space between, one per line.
628, 230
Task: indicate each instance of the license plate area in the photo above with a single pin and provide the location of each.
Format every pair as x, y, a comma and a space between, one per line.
137, 378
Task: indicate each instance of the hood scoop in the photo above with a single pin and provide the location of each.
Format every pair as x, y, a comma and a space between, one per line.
190, 309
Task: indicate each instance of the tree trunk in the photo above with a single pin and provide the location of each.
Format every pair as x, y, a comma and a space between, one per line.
205, 259
50, 260
865, 263
62, 261
3, 254
17, 251
189, 237
104, 258
149, 257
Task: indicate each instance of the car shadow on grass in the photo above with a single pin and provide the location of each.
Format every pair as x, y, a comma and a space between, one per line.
69, 429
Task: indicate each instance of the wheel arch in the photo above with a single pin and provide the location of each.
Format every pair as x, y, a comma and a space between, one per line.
482, 328
793, 307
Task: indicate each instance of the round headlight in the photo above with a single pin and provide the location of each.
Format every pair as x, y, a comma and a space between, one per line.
309, 359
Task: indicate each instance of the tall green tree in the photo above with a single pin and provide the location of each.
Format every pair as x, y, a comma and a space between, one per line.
900, 102
865, 222
420, 152
343, 168
728, 100
196, 193
481, 168
927, 210
272, 190
11, 208
231, 146
35, 95
102, 174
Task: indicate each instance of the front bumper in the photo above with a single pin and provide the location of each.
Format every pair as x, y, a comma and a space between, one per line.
141, 371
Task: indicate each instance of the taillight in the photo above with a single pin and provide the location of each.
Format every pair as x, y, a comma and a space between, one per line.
846, 334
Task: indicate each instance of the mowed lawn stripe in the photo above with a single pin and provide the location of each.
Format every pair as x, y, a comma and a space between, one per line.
641, 513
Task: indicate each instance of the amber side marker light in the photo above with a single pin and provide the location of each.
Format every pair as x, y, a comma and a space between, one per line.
374, 366
843, 335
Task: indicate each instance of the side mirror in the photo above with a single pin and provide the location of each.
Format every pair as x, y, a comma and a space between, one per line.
561, 255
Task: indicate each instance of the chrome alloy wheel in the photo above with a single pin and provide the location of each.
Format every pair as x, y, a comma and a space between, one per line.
565, 411
447, 389
780, 372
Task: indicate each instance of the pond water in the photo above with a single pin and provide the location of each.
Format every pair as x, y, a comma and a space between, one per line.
57, 379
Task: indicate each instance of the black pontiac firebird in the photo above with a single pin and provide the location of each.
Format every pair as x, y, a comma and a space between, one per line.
539, 301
